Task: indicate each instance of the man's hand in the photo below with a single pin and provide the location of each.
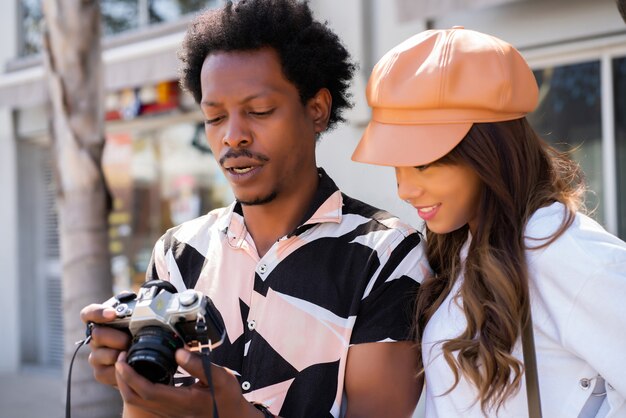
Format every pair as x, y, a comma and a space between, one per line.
143, 398
106, 342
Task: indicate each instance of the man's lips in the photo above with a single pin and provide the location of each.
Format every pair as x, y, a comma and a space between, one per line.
240, 165
242, 161
242, 170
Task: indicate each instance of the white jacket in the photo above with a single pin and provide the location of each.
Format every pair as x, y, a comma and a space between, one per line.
578, 303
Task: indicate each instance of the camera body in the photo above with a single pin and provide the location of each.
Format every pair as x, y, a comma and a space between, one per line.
161, 320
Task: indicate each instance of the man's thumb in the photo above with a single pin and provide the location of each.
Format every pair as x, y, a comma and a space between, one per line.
192, 363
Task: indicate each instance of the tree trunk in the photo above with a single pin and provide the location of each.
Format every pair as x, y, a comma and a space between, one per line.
74, 75
621, 6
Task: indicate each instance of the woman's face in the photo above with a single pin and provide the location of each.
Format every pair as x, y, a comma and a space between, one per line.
445, 195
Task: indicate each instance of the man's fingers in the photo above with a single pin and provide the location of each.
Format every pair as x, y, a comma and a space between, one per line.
103, 336
103, 357
192, 363
105, 375
106, 345
126, 378
106, 342
136, 385
97, 313
128, 395
155, 397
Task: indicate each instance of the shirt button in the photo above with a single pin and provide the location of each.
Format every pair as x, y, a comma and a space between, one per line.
585, 383
262, 268
251, 324
245, 385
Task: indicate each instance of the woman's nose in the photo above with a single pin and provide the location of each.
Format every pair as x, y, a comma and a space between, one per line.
408, 185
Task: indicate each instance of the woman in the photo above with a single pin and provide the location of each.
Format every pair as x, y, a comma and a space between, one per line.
505, 234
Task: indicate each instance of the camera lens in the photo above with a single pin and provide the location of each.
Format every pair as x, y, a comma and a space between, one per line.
151, 354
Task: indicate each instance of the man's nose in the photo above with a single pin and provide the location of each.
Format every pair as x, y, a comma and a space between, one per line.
237, 133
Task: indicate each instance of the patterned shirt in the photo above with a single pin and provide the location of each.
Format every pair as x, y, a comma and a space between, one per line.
347, 275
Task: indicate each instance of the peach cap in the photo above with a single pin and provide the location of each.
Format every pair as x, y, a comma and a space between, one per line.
426, 93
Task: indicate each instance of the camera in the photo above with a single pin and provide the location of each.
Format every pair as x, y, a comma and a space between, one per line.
160, 321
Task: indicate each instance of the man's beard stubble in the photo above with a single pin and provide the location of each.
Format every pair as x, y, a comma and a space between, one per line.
259, 200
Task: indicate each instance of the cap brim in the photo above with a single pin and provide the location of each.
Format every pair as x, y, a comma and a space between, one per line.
408, 145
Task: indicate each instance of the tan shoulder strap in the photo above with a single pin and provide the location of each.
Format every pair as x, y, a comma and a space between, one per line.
530, 365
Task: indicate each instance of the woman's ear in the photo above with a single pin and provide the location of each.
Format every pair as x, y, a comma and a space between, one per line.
318, 108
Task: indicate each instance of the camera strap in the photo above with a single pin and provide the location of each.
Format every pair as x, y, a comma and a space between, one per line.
79, 344
204, 343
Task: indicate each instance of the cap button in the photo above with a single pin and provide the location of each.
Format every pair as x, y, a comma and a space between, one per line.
458, 27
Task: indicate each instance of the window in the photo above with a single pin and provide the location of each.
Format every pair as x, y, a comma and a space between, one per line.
30, 35
158, 179
619, 94
168, 10
569, 117
117, 16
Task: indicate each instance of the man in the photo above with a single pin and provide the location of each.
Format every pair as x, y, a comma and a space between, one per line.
315, 288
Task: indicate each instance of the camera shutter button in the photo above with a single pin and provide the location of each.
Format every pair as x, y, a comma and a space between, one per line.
188, 297
125, 296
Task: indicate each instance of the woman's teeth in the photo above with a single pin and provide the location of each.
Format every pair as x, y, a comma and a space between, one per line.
428, 209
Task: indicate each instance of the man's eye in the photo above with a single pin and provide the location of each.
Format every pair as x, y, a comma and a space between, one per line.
263, 113
213, 121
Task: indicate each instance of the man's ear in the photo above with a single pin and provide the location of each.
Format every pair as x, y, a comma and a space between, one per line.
318, 108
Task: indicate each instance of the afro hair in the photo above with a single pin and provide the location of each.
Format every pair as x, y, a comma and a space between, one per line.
312, 56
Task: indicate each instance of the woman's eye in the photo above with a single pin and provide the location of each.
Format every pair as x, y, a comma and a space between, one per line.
422, 167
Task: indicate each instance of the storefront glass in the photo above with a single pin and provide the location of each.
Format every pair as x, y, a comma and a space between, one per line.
31, 15
169, 10
117, 16
569, 118
158, 180
619, 95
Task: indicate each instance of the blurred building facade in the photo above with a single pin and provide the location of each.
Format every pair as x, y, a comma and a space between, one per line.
161, 174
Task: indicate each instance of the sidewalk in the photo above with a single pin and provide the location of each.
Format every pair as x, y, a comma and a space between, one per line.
31, 394
36, 394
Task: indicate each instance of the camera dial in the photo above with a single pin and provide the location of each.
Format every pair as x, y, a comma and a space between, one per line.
123, 310
188, 297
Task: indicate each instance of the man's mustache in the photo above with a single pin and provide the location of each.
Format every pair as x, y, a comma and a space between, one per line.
243, 153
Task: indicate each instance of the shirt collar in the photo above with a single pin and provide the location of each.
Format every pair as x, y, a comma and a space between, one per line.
326, 206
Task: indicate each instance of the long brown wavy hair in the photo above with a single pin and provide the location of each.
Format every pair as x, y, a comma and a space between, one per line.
520, 173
